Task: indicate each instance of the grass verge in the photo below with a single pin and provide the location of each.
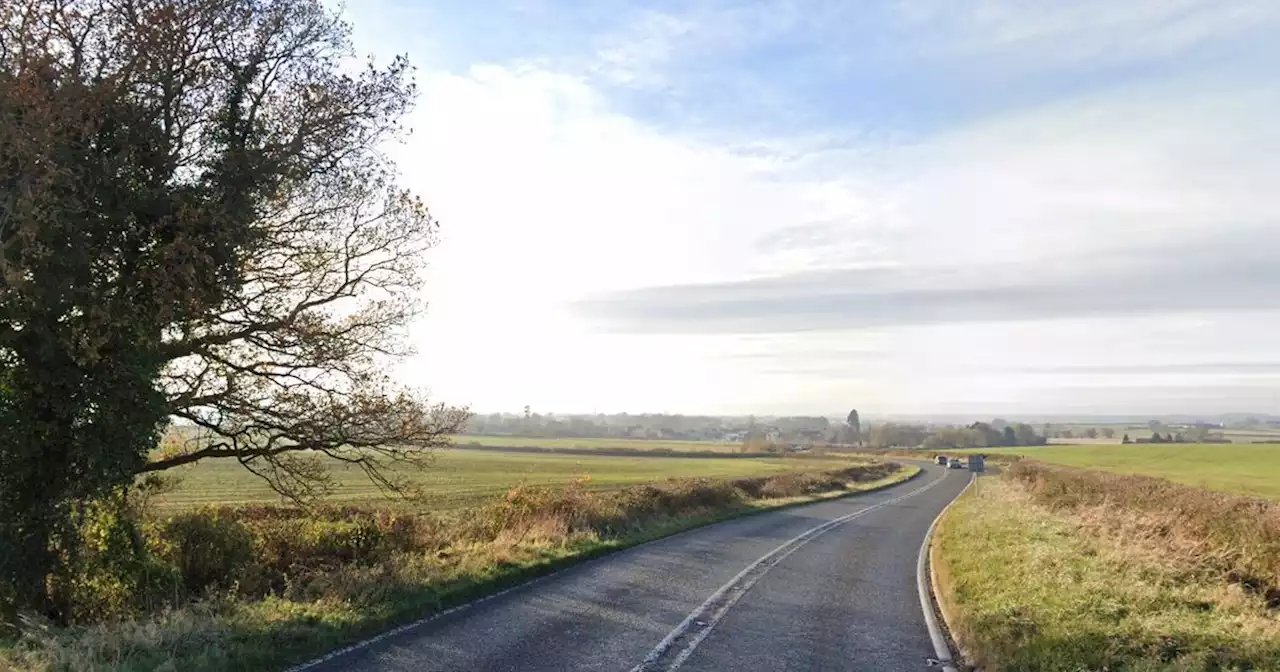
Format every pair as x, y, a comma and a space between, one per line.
529, 533
1048, 568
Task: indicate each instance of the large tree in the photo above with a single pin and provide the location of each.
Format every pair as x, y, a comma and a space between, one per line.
853, 429
197, 223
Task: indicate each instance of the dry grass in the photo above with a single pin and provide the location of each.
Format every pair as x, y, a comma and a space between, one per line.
1232, 536
317, 580
1059, 569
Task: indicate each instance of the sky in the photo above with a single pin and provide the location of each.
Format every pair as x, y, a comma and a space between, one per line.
907, 206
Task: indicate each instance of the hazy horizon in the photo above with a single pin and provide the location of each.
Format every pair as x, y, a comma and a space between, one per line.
915, 208
947, 418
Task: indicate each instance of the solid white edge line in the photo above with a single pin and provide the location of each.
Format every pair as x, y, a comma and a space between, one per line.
366, 643
786, 548
941, 651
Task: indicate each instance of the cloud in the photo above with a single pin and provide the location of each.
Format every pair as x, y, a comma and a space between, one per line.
734, 207
650, 47
860, 298
1239, 368
1157, 202
1047, 32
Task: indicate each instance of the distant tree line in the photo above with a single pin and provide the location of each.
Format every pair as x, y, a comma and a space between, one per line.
756, 433
658, 426
985, 435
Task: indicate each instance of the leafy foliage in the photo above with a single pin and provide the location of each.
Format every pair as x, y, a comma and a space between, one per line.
196, 223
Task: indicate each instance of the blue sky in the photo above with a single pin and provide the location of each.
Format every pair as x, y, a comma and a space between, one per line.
910, 206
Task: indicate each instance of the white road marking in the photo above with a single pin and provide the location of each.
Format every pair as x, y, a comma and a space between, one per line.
576, 566
941, 651
705, 617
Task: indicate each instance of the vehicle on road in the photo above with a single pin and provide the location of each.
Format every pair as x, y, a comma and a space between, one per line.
942, 459
955, 463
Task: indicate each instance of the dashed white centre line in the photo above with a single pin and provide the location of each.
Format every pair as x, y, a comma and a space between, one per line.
686, 636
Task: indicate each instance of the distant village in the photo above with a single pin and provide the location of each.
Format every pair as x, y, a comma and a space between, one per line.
804, 432
667, 427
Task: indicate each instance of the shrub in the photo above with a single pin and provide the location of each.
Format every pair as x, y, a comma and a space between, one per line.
106, 570
210, 548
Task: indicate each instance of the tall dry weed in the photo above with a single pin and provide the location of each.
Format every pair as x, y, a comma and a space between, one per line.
1200, 531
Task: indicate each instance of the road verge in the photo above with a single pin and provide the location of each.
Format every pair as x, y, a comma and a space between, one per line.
1061, 571
926, 586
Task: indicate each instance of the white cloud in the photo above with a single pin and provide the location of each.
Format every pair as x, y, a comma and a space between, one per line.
549, 194
638, 56
1041, 32
653, 45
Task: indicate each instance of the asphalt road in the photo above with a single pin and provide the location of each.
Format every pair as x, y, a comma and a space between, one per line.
746, 594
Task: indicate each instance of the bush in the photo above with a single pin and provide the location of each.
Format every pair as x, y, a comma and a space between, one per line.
210, 548
107, 570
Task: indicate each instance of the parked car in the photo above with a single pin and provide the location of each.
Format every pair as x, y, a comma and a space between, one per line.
956, 463
942, 459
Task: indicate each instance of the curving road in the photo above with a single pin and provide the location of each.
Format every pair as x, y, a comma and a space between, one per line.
826, 586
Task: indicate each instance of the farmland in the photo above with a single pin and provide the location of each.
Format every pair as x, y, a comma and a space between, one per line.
1142, 431
1244, 469
460, 478
595, 444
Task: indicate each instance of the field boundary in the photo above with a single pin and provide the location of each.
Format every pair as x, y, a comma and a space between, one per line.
562, 565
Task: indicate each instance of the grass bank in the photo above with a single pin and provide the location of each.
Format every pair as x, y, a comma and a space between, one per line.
1241, 469
282, 585
1052, 568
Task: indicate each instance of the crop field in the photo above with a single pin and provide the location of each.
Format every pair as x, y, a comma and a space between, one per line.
1141, 431
1245, 469
595, 444
461, 478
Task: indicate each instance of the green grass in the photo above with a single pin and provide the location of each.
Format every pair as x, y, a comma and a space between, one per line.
1027, 587
460, 478
1243, 469
596, 444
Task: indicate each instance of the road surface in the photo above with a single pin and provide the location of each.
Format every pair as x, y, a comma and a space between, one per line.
826, 586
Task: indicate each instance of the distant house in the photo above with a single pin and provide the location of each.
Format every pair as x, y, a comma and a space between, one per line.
772, 434
811, 435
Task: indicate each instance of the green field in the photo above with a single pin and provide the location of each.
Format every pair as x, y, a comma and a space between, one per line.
1246, 469
460, 478
1141, 431
596, 444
